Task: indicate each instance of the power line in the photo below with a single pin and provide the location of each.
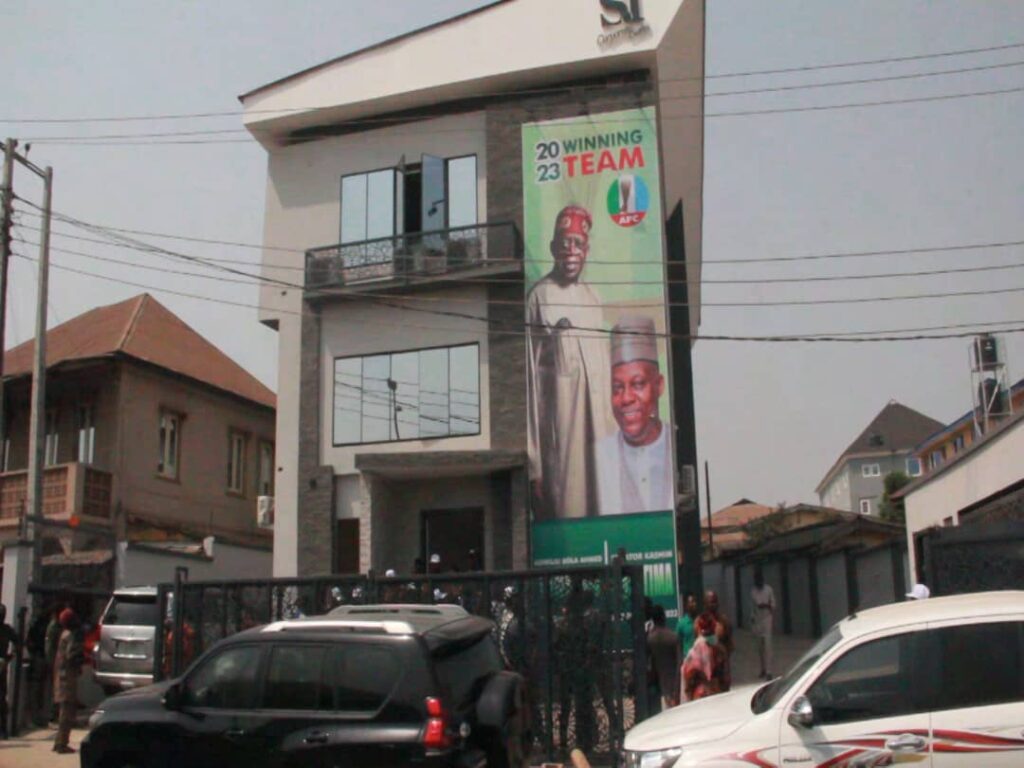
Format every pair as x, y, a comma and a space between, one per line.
913, 334
550, 89
756, 260
384, 121
89, 142
497, 281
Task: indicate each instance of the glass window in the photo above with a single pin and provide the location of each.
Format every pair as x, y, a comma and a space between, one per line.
462, 191
265, 483
236, 461
86, 434
132, 611
295, 678
52, 440
865, 506
170, 427
871, 681
870, 470
228, 680
913, 467
961, 680
769, 695
363, 677
419, 394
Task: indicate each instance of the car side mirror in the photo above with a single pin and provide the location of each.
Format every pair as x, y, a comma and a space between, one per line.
802, 713
172, 697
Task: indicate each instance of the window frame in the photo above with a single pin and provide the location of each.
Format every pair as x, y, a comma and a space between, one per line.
51, 437
90, 407
261, 674
271, 479
395, 230
448, 190
240, 438
265, 683
179, 419
870, 470
920, 466
862, 504
931, 653
913, 658
392, 353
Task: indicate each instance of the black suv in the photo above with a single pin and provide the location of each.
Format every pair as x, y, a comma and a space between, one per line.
387, 685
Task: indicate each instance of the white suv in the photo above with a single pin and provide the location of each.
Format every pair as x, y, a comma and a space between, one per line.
934, 683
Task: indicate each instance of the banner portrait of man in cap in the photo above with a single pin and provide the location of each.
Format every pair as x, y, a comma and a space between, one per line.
568, 376
634, 465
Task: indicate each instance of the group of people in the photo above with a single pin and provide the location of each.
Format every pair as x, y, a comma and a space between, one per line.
57, 652
596, 441
694, 661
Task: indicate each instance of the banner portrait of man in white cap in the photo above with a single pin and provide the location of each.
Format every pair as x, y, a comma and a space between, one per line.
567, 376
634, 465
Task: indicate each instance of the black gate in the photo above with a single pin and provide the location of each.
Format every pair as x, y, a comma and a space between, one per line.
577, 636
974, 558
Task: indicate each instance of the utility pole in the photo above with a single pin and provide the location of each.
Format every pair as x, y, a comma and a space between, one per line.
707, 492
6, 221
36, 447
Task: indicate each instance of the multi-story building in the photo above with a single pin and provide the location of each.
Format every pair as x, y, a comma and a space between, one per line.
398, 171
854, 483
150, 432
952, 440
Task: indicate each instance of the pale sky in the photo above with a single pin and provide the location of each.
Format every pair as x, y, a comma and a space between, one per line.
771, 418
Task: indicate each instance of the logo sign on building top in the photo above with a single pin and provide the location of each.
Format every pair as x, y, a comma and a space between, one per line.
621, 20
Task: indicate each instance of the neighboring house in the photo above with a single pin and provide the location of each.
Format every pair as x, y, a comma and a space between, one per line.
952, 440
855, 481
983, 483
398, 170
745, 527
150, 432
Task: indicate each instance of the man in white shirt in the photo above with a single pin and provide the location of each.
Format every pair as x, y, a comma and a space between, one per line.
763, 598
634, 464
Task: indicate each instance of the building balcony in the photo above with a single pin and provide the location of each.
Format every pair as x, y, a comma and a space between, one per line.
68, 489
409, 259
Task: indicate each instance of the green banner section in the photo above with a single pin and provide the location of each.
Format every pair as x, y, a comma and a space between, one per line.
647, 537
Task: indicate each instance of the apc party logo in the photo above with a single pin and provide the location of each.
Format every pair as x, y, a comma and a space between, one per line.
628, 200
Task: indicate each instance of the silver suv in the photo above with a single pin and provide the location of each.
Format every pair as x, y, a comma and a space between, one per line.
124, 656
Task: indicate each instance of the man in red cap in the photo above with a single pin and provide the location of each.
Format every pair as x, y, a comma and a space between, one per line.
567, 358
66, 669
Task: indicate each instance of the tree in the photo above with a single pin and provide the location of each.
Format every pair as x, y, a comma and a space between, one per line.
892, 510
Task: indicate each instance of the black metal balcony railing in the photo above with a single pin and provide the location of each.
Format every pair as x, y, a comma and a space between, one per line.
412, 255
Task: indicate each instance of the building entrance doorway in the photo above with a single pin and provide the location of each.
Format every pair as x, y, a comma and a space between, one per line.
452, 533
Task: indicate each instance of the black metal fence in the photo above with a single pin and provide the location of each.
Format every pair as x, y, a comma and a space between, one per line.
974, 558
577, 636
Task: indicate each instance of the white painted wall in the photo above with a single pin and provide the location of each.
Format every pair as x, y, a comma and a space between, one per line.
996, 464
137, 566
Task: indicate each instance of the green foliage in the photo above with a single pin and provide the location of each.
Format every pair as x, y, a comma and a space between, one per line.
893, 510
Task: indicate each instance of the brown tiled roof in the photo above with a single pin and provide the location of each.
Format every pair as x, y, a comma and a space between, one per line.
740, 513
144, 329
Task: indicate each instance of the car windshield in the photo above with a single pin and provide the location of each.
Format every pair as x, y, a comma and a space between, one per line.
132, 610
768, 695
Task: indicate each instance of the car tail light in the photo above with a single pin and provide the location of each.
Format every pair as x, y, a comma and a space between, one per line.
436, 735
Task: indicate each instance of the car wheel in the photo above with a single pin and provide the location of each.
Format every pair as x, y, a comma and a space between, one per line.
512, 750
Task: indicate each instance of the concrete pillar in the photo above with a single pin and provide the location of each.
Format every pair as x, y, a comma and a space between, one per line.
17, 573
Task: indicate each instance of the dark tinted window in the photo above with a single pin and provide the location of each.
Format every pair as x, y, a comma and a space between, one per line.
977, 664
228, 680
871, 681
463, 672
363, 677
295, 678
132, 611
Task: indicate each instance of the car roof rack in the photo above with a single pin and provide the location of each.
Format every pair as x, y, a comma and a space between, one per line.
371, 627
398, 610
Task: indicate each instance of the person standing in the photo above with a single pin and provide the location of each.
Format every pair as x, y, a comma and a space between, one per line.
763, 598
634, 464
8, 645
685, 628
53, 630
704, 668
67, 667
723, 632
567, 362
663, 658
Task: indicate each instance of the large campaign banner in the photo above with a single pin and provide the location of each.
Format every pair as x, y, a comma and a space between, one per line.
602, 468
